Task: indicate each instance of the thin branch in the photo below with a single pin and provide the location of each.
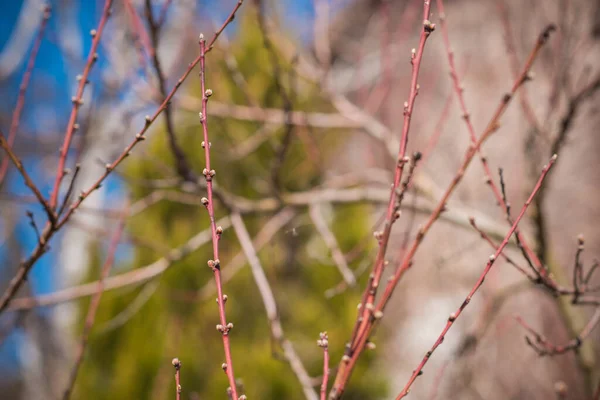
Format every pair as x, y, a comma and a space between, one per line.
28, 181
268, 299
459, 90
544, 348
177, 364
452, 318
323, 342
370, 313
182, 165
329, 238
17, 281
16, 115
134, 277
397, 193
78, 101
223, 327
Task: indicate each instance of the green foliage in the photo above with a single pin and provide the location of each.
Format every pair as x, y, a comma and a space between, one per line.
133, 360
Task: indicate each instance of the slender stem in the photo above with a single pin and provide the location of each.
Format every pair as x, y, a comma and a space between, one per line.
16, 116
268, 299
324, 343
368, 320
392, 213
17, 281
224, 327
177, 364
452, 318
28, 181
78, 101
459, 90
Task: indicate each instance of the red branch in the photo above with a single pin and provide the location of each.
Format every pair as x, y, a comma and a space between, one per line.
177, 364
392, 213
16, 116
324, 343
370, 313
49, 231
459, 90
224, 327
78, 102
452, 318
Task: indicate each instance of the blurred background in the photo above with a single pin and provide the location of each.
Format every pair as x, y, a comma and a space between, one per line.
304, 122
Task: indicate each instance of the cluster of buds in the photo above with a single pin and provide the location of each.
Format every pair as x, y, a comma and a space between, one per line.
225, 329
323, 340
208, 174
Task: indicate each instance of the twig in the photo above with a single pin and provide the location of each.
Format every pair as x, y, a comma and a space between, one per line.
323, 342
182, 165
69, 190
223, 327
459, 90
268, 299
395, 199
177, 364
452, 318
49, 231
486, 237
134, 277
329, 238
93, 308
374, 313
78, 101
16, 115
544, 348
163, 13
28, 181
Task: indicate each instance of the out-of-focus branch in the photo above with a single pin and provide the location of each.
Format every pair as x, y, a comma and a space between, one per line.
340, 260
268, 299
17, 281
28, 181
545, 348
182, 165
93, 308
16, 115
77, 100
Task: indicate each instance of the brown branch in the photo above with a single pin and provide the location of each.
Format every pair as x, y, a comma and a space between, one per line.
545, 348
182, 165
28, 181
